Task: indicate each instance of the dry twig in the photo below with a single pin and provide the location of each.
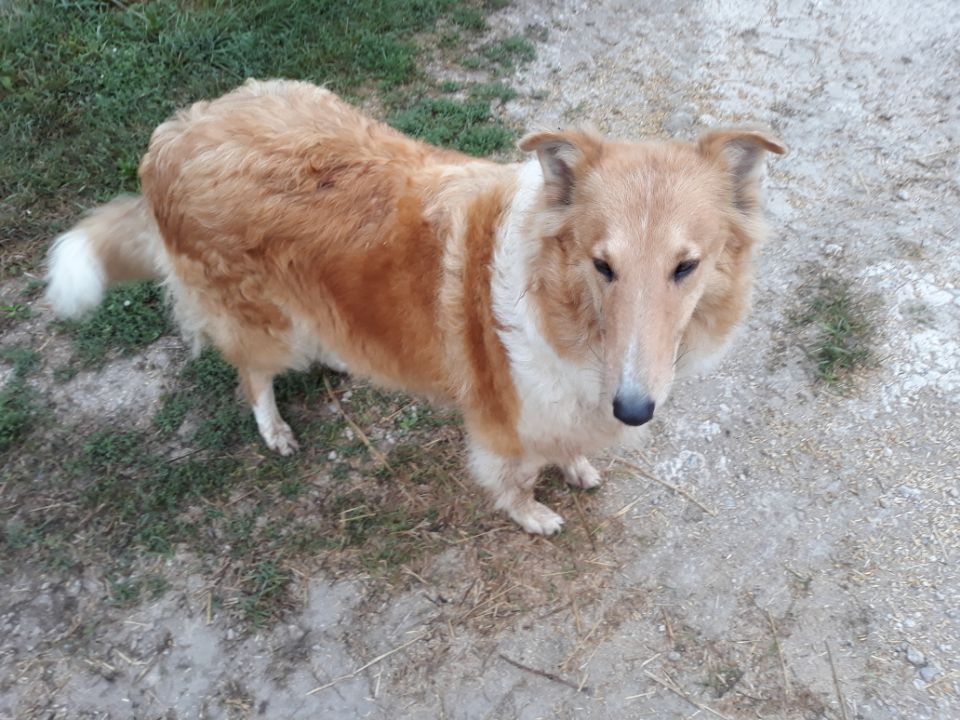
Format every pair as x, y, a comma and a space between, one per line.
836, 683
380, 457
673, 488
783, 663
680, 693
363, 667
548, 675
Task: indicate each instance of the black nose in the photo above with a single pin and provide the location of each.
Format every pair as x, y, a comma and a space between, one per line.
633, 409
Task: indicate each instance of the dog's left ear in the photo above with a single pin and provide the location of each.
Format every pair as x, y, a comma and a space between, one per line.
563, 157
741, 152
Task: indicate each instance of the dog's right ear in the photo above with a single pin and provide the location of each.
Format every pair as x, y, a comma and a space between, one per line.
741, 151
563, 158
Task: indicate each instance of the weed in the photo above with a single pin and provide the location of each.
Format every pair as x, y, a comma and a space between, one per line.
843, 329
24, 360
510, 51
172, 413
14, 313
124, 592
65, 373
470, 18
18, 537
264, 592
724, 679
142, 493
19, 408
486, 92
208, 387
130, 318
465, 126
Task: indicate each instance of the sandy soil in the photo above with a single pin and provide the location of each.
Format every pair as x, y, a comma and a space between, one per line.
815, 576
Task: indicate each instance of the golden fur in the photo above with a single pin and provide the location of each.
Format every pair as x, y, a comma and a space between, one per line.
295, 229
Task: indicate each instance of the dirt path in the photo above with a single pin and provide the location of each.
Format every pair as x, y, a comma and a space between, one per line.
815, 576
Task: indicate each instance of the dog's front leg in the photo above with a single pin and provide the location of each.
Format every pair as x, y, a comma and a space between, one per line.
510, 482
579, 473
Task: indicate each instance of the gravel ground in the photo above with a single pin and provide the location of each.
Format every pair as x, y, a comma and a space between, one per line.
808, 568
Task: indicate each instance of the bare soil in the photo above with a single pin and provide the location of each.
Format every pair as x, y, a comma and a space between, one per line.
779, 548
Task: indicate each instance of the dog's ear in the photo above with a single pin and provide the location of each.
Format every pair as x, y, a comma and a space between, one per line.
563, 157
741, 152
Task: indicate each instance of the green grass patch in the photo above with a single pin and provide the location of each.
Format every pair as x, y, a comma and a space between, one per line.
18, 412
510, 51
265, 592
24, 360
466, 126
141, 495
131, 317
11, 314
19, 403
208, 388
842, 329
502, 56
487, 92
84, 83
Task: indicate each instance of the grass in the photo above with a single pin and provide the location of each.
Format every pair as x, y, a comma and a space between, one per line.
142, 494
468, 126
503, 55
842, 330
130, 318
19, 408
83, 83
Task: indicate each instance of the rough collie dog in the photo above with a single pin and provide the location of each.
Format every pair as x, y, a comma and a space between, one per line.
552, 301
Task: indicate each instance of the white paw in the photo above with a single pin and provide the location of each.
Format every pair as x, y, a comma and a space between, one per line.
536, 518
280, 439
581, 474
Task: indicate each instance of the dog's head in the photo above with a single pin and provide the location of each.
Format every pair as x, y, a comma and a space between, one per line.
646, 254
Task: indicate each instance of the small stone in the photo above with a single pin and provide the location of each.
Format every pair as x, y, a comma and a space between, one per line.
930, 672
953, 492
903, 195
908, 491
332, 455
915, 657
832, 249
674, 656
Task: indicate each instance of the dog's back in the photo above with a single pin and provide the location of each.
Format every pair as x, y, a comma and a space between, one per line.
291, 219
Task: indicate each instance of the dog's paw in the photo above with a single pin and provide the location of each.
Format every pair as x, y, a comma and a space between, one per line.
536, 518
280, 439
581, 474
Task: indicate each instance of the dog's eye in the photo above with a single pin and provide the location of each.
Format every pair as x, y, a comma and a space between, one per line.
604, 269
684, 269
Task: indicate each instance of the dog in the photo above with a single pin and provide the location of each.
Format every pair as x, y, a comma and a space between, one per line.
552, 301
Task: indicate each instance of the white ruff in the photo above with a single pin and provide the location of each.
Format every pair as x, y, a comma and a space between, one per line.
564, 409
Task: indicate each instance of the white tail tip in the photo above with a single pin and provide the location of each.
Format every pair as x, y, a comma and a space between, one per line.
76, 280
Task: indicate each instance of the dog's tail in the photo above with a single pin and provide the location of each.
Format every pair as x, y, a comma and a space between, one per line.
116, 242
